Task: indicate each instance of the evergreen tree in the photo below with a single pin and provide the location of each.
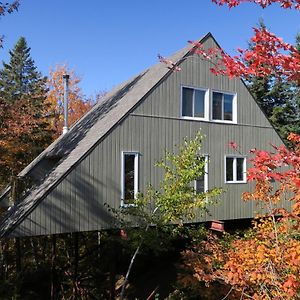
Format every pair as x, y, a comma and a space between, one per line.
20, 77
260, 86
279, 99
24, 128
286, 112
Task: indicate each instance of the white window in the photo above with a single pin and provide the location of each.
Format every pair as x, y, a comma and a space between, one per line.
224, 107
235, 169
201, 183
129, 177
194, 103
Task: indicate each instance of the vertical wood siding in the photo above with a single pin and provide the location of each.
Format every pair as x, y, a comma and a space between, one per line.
78, 203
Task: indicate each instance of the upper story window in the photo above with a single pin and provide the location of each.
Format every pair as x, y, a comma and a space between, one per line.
129, 177
235, 169
223, 107
194, 103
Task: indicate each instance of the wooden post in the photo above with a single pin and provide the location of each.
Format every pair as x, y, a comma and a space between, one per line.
53, 277
3, 263
35, 251
5, 253
99, 243
18, 255
112, 271
76, 262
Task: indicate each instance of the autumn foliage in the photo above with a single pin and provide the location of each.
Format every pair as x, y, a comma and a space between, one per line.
78, 104
265, 262
269, 56
8, 8
22, 126
263, 3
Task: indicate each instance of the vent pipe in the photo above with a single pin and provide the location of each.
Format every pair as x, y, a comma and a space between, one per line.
66, 104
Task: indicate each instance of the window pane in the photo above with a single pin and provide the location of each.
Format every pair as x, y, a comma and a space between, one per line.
217, 106
199, 104
228, 100
187, 102
129, 176
229, 168
240, 169
200, 184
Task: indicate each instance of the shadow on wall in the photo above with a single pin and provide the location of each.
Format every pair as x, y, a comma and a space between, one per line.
76, 206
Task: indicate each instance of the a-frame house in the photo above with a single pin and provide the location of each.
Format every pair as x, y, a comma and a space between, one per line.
110, 153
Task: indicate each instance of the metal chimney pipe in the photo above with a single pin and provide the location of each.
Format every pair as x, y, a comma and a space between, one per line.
66, 104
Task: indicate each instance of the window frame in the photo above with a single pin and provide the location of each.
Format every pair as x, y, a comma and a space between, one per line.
136, 175
206, 158
234, 107
206, 103
234, 167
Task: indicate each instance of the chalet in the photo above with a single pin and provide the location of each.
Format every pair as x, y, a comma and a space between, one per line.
127, 133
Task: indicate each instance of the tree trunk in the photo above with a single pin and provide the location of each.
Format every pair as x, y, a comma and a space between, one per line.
134, 257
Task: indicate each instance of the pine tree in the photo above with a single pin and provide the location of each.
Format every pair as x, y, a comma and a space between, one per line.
24, 128
286, 113
279, 99
20, 77
260, 86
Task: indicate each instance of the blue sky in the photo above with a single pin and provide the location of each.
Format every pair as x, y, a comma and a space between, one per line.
106, 42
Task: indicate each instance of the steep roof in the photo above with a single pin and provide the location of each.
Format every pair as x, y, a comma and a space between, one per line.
72, 147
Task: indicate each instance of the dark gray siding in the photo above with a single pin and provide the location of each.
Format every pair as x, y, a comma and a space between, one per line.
78, 202
165, 100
